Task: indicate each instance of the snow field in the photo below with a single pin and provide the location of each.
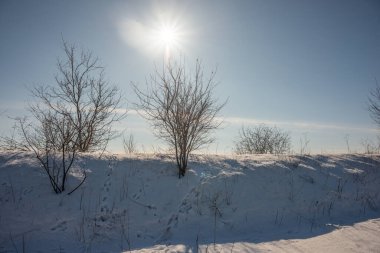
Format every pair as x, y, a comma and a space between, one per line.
239, 203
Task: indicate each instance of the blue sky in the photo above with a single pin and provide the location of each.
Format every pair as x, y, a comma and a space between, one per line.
305, 66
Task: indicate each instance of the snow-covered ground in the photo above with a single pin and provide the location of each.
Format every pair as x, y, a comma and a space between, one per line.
328, 203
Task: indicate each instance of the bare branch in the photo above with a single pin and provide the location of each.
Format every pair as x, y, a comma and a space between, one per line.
82, 96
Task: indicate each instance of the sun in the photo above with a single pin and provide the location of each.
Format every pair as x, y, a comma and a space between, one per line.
168, 36
166, 32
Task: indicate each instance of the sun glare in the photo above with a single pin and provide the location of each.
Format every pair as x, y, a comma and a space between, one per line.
164, 35
168, 36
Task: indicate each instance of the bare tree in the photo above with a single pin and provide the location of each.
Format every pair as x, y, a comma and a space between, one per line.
374, 103
75, 115
262, 139
83, 97
181, 109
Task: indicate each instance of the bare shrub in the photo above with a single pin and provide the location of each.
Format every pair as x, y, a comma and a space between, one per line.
262, 139
181, 109
75, 115
83, 97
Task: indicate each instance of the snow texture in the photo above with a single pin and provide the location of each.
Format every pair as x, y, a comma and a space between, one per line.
136, 203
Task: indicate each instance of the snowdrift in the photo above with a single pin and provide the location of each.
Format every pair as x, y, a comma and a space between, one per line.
223, 204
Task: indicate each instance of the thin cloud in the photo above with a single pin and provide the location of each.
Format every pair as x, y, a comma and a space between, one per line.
135, 112
296, 124
135, 34
130, 112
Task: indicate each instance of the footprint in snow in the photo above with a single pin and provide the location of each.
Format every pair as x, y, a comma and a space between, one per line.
60, 226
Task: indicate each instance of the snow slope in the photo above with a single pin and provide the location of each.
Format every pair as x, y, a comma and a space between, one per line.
240, 203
